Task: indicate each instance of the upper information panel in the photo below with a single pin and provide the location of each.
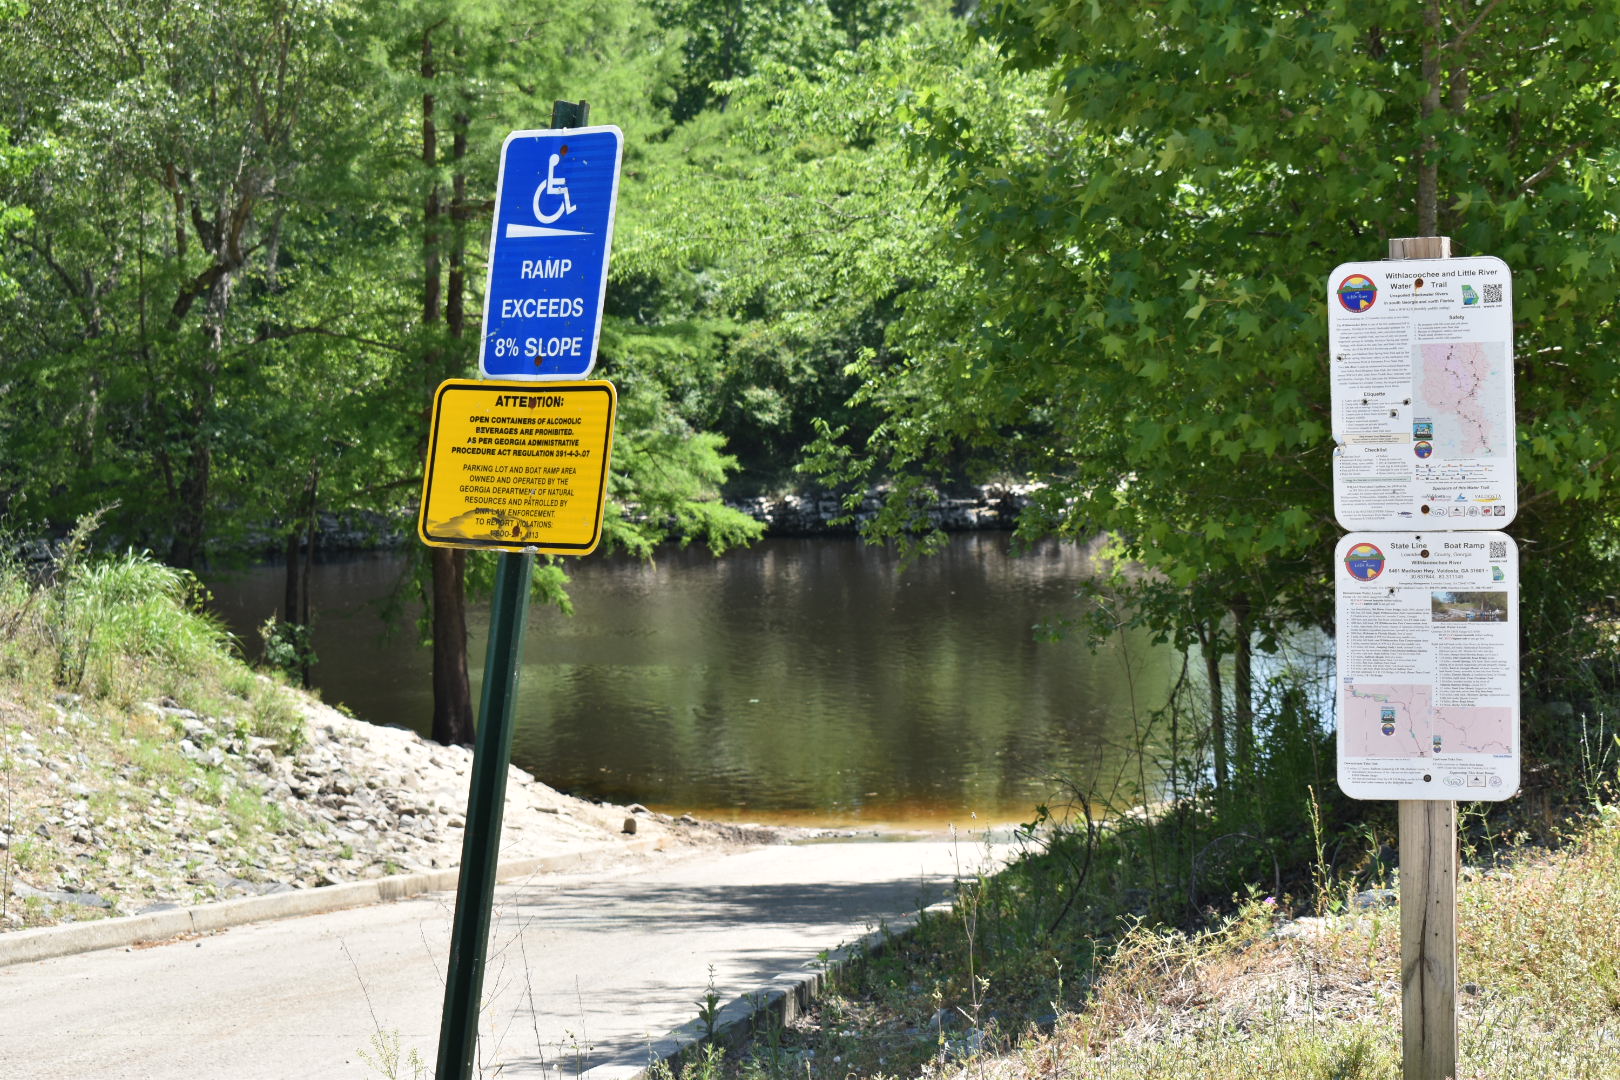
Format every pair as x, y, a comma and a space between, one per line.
1422, 370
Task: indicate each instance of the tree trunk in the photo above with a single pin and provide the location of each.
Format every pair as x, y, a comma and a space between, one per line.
295, 595
1217, 703
190, 525
289, 592
305, 619
431, 210
452, 698
1428, 194
1243, 684
455, 300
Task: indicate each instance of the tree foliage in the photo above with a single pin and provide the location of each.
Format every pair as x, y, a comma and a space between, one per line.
780, 234
1076, 245
165, 263
247, 241
1140, 321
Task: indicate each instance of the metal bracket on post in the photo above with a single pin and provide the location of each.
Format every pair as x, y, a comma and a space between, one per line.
570, 114
1427, 839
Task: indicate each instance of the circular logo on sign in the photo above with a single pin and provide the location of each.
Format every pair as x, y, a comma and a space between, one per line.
1364, 561
1357, 292
1423, 449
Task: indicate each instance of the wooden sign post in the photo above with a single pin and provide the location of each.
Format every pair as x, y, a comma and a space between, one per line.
1428, 847
1427, 840
1426, 582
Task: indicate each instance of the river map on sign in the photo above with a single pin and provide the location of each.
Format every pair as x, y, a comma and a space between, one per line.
1381, 720
1462, 388
1392, 720
1478, 729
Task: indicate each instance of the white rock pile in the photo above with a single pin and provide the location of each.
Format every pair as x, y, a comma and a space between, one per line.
83, 840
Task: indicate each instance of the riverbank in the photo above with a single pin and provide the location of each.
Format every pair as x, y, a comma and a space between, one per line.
783, 514
114, 812
143, 765
813, 513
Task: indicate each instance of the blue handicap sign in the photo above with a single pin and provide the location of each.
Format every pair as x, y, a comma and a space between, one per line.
548, 261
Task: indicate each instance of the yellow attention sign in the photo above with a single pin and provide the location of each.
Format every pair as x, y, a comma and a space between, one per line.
518, 466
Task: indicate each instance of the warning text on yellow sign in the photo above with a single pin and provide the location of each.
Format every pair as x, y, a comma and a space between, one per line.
518, 466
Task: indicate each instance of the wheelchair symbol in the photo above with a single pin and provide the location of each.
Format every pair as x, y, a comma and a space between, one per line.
554, 185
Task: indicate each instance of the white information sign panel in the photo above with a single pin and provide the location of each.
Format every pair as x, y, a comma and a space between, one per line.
1428, 665
1422, 373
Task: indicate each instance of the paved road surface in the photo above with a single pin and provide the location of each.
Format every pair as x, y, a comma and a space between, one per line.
584, 970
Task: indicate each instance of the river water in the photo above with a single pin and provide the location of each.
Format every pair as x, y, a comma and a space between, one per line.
803, 680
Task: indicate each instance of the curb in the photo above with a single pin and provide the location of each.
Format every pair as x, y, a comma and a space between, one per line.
45, 942
780, 1001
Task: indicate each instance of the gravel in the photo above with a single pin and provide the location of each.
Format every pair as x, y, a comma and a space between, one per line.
84, 834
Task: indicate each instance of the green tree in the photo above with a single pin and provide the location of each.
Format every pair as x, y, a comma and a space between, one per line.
183, 146
728, 39
471, 72
1138, 325
14, 165
247, 244
765, 248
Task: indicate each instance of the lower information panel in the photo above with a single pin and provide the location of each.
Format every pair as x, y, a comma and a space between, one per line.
1428, 665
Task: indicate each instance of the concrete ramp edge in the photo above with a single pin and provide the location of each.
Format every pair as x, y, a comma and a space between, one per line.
45, 942
779, 1002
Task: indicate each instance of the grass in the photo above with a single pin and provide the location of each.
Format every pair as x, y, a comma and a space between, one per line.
90, 647
386, 1058
1322, 999
1224, 935
123, 630
1257, 992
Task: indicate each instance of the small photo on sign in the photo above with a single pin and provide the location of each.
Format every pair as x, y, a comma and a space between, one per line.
1468, 607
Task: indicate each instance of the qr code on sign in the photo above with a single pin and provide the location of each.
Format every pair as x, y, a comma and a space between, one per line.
1498, 549
1493, 293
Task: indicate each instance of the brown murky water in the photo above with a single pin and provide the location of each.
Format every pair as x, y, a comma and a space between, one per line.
799, 680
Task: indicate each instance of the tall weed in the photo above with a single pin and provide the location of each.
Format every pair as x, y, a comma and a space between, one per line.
126, 629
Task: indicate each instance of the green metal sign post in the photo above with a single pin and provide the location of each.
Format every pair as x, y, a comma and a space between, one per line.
486, 797
486, 801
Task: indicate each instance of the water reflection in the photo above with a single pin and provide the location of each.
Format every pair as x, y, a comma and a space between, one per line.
798, 679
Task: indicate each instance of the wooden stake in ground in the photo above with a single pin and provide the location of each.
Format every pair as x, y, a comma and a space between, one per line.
1428, 847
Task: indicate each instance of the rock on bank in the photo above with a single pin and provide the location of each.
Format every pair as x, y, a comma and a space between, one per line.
106, 811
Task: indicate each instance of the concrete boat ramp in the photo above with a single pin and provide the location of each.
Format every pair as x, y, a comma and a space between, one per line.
596, 971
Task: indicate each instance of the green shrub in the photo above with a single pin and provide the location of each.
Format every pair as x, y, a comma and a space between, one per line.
130, 626
124, 629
